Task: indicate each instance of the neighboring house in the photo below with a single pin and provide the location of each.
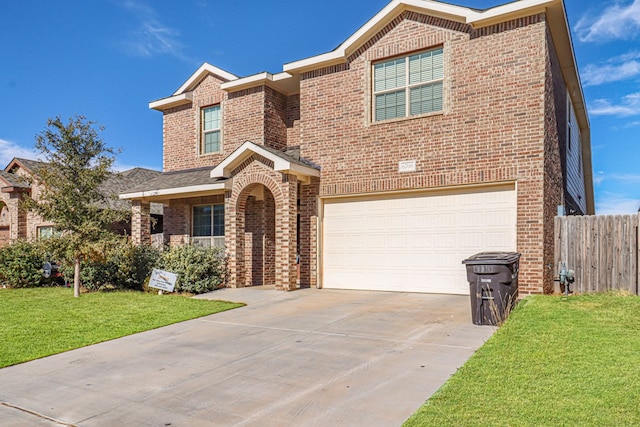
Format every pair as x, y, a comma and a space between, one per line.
17, 179
432, 133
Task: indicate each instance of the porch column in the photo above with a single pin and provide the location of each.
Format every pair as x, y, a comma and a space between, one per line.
309, 233
18, 219
286, 221
140, 222
233, 243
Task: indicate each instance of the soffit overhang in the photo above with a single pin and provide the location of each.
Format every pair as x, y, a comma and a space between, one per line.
282, 82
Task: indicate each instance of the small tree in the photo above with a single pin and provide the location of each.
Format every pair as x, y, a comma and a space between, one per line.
78, 162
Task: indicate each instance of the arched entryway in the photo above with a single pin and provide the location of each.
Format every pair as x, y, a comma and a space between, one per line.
261, 207
260, 228
5, 224
258, 233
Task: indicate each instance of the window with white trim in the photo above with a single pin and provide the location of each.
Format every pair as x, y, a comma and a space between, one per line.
208, 225
45, 232
408, 86
211, 134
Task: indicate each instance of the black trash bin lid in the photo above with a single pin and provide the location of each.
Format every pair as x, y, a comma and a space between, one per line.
501, 258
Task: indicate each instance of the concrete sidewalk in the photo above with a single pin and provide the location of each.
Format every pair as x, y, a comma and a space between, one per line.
304, 358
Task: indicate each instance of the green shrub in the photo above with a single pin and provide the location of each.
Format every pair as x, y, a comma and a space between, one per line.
134, 264
21, 265
119, 266
199, 269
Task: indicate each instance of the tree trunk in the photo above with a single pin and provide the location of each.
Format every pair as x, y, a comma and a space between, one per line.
76, 278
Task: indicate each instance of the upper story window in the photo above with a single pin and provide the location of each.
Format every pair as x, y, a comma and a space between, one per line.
408, 86
210, 130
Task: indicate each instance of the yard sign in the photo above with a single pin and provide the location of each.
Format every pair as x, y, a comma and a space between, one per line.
163, 280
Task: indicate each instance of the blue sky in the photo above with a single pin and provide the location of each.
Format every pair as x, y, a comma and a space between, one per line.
107, 59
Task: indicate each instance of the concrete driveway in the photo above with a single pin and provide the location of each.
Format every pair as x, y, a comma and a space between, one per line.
304, 358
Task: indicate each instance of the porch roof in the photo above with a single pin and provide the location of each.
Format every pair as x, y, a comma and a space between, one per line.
10, 182
217, 180
178, 184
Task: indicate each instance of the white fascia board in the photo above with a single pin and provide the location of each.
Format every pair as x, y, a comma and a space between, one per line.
428, 7
440, 10
172, 101
247, 81
281, 76
224, 168
204, 69
508, 11
374, 25
282, 82
335, 56
243, 152
303, 170
222, 186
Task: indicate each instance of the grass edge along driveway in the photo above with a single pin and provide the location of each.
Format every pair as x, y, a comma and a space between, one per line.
40, 322
556, 361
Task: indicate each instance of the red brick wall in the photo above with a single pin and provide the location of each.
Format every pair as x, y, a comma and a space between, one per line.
244, 118
491, 128
260, 115
293, 120
275, 119
177, 217
181, 134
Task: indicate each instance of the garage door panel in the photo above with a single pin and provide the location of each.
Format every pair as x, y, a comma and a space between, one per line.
414, 243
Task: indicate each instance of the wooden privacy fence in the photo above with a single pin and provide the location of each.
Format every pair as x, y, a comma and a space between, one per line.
602, 251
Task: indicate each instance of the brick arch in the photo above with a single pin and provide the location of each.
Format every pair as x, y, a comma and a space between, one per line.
5, 223
280, 190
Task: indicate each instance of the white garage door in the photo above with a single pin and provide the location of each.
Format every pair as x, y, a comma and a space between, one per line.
412, 242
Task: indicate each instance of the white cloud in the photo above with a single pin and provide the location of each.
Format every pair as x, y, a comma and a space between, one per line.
628, 106
598, 178
631, 179
152, 37
615, 69
625, 199
621, 21
613, 204
9, 150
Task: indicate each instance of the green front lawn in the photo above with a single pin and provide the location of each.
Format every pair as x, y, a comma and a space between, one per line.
43, 321
555, 362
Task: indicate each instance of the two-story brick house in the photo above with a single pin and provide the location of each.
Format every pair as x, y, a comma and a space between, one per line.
432, 133
20, 178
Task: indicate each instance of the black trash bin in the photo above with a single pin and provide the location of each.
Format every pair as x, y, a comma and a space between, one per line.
493, 282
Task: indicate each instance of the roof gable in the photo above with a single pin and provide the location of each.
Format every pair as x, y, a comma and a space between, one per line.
204, 70
282, 162
184, 94
473, 17
28, 165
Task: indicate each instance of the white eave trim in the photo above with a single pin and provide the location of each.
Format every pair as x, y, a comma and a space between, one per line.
428, 7
200, 73
281, 82
246, 150
221, 186
172, 101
